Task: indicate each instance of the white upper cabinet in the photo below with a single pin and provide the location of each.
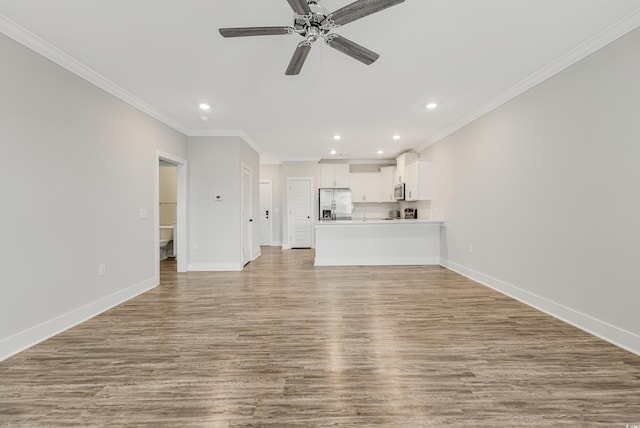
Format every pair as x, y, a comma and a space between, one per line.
365, 187
419, 182
402, 161
334, 175
387, 183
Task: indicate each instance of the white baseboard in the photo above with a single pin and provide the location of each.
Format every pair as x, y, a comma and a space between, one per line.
214, 267
376, 261
256, 255
612, 334
41, 332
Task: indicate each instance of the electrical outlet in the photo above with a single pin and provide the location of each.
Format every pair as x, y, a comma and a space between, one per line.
470, 249
143, 213
102, 269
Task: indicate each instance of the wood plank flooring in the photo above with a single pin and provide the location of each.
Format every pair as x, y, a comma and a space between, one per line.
283, 344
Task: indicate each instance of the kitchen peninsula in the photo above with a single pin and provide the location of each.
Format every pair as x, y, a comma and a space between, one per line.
377, 242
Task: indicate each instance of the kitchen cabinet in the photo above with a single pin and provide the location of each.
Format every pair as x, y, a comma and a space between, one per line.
387, 183
401, 162
334, 175
365, 187
419, 182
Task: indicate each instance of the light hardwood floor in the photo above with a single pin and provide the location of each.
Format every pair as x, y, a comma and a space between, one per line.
284, 344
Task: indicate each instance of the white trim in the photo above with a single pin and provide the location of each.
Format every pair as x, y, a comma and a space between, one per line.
225, 133
35, 43
41, 332
309, 159
381, 162
378, 261
276, 244
215, 267
600, 40
270, 162
610, 333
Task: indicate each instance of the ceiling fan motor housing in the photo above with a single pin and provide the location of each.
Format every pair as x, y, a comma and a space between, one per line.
314, 25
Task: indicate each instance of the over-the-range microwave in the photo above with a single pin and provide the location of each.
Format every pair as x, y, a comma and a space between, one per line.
398, 192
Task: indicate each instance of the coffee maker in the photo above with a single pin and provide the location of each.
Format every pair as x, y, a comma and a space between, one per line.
410, 213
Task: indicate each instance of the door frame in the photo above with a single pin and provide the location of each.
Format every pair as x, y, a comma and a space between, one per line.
287, 211
249, 239
181, 234
270, 183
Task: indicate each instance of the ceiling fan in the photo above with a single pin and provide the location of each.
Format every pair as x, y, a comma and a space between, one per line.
312, 22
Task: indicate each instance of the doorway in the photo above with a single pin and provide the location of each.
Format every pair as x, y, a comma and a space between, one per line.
266, 212
247, 220
179, 235
167, 210
299, 212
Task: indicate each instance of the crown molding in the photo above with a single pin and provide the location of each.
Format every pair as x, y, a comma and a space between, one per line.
600, 40
226, 133
301, 159
270, 162
38, 45
215, 133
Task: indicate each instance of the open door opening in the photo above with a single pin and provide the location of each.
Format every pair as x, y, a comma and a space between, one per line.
171, 212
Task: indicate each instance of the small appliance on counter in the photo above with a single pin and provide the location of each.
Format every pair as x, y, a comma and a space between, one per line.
410, 213
394, 214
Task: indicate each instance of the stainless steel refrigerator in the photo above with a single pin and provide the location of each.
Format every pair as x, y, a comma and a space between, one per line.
335, 204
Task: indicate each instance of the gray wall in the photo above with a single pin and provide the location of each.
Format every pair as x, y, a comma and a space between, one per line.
78, 166
546, 190
215, 168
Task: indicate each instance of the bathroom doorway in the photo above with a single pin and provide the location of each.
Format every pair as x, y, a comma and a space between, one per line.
171, 212
167, 210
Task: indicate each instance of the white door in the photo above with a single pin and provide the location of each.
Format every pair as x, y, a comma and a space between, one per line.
265, 212
299, 201
246, 216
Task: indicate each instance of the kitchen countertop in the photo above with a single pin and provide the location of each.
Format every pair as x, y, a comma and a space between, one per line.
374, 221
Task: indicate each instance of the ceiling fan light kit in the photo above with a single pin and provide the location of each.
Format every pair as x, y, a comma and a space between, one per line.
313, 22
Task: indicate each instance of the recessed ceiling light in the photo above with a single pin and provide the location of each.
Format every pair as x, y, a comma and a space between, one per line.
432, 106
204, 106
333, 152
380, 152
337, 137
396, 137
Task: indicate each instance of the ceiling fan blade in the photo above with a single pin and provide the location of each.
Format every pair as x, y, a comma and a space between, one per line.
298, 59
359, 9
255, 31
352, 49
300, 7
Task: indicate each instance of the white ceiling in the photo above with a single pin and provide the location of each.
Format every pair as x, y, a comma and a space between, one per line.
468, 55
